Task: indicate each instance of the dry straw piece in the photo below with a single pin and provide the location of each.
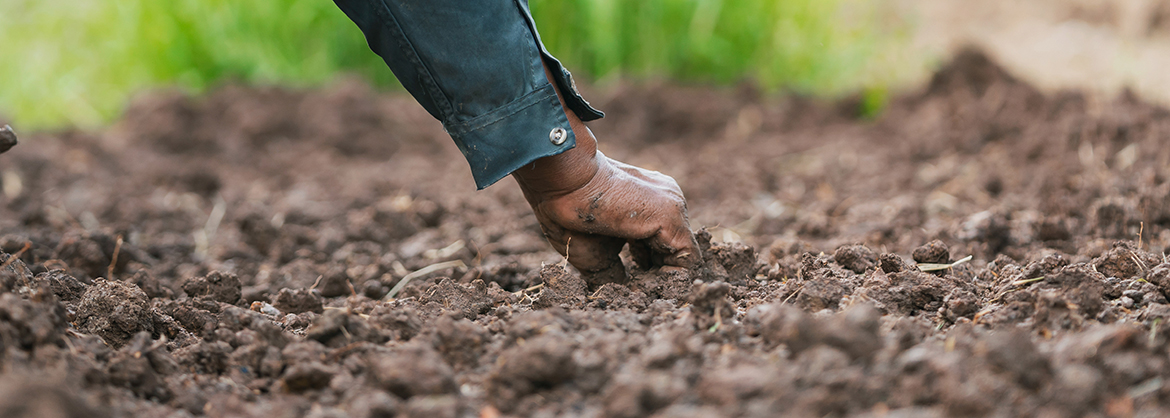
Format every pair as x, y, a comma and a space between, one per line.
937, 267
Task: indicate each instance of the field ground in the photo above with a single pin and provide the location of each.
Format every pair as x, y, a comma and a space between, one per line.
1101, 46
233, 255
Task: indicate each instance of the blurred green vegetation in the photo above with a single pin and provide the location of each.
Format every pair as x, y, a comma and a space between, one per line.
77, 63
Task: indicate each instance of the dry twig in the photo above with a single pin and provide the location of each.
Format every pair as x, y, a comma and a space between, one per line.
114, 259
537, 287
1026, 281
793, 293
1141, 229
16, 256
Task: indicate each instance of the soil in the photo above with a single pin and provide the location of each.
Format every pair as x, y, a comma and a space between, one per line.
243, 254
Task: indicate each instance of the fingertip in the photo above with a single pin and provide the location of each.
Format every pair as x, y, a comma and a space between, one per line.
684, 249
684, 259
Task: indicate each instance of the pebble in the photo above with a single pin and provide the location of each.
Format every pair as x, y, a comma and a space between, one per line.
1134, 294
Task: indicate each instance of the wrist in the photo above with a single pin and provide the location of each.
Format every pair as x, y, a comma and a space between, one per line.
564, 172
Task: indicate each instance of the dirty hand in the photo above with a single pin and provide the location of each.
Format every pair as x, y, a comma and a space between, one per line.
589, 206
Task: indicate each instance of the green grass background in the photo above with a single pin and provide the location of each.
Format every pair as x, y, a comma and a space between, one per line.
76, 63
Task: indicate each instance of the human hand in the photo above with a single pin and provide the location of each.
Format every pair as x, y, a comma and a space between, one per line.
589, 206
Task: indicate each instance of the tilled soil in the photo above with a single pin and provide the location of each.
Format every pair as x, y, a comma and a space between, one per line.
246, 254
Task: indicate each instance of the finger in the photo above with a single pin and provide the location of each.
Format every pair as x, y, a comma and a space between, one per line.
597, 257
676, 246
591, 253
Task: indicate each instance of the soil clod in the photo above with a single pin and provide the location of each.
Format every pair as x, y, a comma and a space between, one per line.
115, 311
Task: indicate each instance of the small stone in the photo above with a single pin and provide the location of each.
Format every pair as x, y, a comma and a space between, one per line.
1134, 294
1160, 276
221, 287
265, 308
934, 252
857, 258
892, 263
297, 301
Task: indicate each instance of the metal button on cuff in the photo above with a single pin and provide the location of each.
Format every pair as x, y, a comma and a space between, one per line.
558, 136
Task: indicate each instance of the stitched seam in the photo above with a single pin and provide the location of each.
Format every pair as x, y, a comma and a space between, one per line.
407, 48
490, 118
